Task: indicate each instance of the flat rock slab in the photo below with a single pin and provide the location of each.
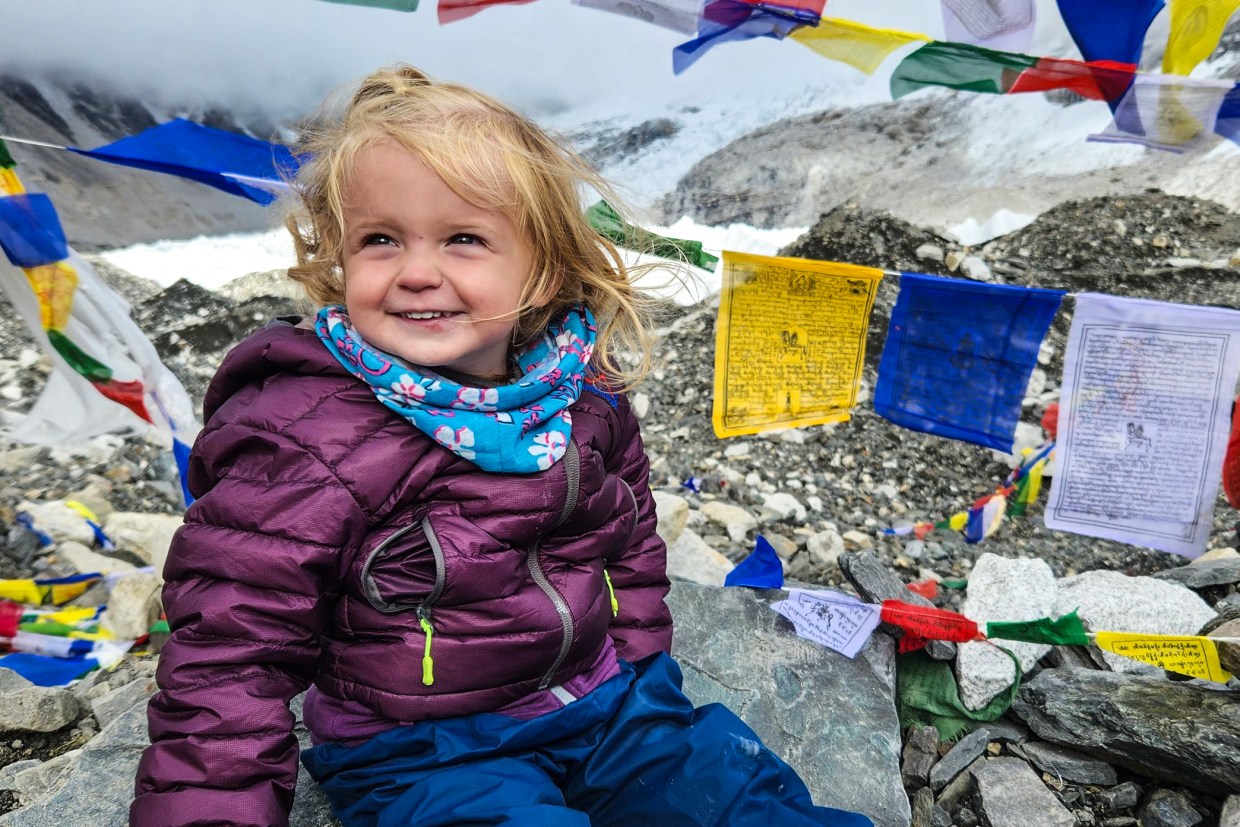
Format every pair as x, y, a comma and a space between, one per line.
1182, 733
1012, 793
1069, 765
830, 717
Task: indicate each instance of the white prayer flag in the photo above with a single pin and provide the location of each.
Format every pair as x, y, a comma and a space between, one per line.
1143, 421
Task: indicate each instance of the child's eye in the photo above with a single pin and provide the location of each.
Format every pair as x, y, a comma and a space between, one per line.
377, 240
465, 238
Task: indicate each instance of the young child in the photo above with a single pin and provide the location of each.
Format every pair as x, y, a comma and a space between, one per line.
430, 505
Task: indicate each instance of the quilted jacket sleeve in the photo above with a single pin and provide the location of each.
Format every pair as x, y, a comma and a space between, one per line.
249, 585
643, 624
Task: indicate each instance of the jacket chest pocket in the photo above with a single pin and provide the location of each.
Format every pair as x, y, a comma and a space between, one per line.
406, 571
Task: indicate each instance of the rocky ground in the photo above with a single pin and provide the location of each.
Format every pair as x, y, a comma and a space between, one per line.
814, 493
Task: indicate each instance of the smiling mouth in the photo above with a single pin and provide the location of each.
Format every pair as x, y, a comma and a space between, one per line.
434, 314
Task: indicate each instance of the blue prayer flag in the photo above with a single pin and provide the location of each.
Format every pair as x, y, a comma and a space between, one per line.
1228, 122
762, 569
44, 670
958, 357
30, 232
236, 164
727, 21
1109, 29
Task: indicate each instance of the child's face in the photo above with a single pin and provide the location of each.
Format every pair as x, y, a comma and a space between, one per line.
428, 276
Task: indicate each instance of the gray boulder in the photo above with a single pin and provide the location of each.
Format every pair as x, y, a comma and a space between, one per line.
1182, 733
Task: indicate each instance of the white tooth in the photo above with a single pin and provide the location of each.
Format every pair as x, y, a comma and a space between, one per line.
432, 315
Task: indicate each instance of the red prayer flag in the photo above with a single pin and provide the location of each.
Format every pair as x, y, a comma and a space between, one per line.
10, 618
929, 623
451, 11
928, 589
910, 642
1105, 80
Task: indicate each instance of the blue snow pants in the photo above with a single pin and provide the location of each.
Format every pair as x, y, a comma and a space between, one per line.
633, 752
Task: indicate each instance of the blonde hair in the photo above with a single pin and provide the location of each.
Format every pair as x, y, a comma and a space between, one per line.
493, 158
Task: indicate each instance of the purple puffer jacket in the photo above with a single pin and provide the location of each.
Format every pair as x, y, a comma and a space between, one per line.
327, 529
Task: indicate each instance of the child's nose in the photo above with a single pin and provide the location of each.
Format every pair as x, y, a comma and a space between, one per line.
418, 271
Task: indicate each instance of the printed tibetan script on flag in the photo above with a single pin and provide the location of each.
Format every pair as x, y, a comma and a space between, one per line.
1143, 421
790, 342
959, 355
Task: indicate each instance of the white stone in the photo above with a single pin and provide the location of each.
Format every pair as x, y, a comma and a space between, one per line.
859, 539
974, 268
691, 558
1002, 589
784, 546
785, 505
641, 405
792, 436
953, 260
1216, 554
133, 606
1110, 601
887, 490
929, 252
825, 548
28, 358
737, 521
84, 560
737, 449
59, 521
1028, 435
1037, 383
11, 392
673, 513
146, 535
814, 502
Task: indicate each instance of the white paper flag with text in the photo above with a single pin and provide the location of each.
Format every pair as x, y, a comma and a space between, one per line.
1143, 421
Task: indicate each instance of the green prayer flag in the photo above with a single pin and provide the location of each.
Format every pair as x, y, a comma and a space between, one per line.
6, 160
959, 66
927, 695
160, 626
1063, 630
608, 223
78, 359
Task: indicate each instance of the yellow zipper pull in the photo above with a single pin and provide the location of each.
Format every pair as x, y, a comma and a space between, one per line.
428, 663
615, 604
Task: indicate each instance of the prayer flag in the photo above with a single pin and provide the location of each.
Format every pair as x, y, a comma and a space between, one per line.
860, 46
609, 224
995, 24
1194, 656
928, 622
1143, 421
762, 569
1167, 112
985, 517
1228, 122
42, 670
836, 620
450, 11
1100, 80
809, 11
927, 694
959, 355
236, 164
959, 66
1196, 26
1066, 630
789, 342
677, 15
1109, 29
10, 617
730, 21
30, 232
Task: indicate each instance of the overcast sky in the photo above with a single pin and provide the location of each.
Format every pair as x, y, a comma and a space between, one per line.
285, 55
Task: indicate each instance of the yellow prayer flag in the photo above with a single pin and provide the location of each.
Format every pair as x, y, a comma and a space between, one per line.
21, 591
1189, 655
1196, 26
958, 521
54, 284
70, 616
790, 342
10, 184
860, 46
1035, 481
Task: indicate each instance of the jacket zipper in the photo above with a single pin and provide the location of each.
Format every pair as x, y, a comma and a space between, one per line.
572, 471
423, 609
